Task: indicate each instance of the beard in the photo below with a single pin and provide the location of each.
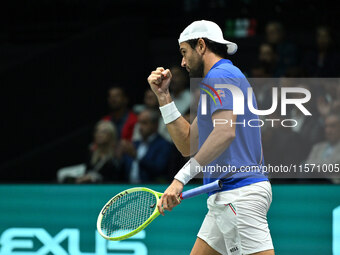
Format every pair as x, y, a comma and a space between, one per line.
196, 71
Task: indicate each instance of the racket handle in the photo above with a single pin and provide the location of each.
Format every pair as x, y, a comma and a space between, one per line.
216, 185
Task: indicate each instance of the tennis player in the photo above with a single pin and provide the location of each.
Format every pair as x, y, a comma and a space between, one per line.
236, 222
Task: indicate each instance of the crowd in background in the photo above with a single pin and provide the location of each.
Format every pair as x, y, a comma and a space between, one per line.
131, 144
279, 57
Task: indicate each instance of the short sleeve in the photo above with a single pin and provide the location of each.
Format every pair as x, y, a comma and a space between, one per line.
219, 98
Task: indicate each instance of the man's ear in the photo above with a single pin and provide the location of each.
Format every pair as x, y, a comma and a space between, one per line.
201, 46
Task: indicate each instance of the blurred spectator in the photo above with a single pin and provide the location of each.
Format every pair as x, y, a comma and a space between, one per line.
323, 61
336, 102
146, 160
329, 97
123, 119
263, 90
150, 101
328, 152
259, 71
281, 145
286, 52
268, 60
179, 89
264, 69
102, 165
309, 128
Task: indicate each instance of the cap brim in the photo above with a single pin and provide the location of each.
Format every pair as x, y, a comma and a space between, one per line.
232, 48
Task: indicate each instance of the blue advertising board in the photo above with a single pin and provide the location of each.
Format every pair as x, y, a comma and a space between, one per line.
61, 220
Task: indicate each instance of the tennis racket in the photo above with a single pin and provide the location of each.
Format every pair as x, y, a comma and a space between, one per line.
134, 209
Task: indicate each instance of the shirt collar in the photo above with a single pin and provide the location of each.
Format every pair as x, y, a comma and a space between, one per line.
220, 62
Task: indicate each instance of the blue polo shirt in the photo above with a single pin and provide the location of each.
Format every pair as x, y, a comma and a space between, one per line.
240, 164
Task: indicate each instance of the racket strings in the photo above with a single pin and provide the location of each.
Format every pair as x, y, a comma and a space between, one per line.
128, 213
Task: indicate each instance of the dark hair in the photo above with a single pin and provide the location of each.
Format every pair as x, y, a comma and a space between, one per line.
217, 48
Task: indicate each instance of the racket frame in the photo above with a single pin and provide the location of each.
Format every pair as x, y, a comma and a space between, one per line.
118, 196
216, 185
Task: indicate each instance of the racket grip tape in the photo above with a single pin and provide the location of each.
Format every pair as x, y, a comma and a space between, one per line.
216, 185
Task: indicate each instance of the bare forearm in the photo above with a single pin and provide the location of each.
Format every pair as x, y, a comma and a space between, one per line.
179, 131
164, 99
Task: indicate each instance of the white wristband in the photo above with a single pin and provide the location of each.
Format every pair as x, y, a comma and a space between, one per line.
188, 171
169, 112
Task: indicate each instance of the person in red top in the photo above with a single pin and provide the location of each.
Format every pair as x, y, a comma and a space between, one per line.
120, 115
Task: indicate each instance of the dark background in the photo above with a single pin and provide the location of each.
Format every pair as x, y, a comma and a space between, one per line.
57, 59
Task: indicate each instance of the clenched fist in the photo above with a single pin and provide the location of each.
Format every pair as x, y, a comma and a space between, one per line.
159, 81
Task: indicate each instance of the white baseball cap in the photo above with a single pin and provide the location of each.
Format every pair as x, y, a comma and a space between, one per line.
206, 29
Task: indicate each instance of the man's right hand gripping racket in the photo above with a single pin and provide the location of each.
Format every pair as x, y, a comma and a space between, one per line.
134, 209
